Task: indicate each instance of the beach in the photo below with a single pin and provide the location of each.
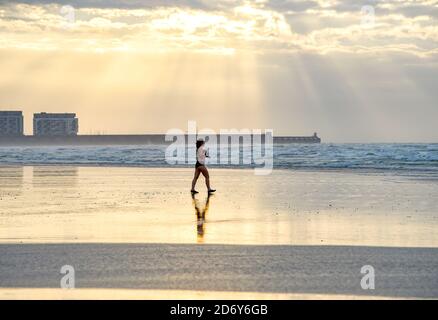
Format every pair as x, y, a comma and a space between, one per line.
132, 232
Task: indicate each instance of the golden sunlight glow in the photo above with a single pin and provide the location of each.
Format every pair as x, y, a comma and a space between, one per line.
251, 26
228, 64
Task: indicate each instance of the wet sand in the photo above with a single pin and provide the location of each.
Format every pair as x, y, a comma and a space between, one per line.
291, 234
268, 270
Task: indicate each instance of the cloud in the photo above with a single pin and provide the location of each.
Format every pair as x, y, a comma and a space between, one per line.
320, 26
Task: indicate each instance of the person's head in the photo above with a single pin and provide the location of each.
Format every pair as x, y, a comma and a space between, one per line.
199, 143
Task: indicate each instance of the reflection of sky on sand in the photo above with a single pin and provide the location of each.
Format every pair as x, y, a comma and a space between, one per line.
154, 205
138, 294
54, 177
11, 181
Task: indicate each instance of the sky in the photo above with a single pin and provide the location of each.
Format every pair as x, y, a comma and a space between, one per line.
353, 70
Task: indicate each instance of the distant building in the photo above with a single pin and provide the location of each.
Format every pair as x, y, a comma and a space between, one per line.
11, 123
55, 124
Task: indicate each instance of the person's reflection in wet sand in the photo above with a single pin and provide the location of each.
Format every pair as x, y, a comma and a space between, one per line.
200, 214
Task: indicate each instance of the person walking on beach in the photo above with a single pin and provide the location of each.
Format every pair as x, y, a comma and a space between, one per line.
200, 167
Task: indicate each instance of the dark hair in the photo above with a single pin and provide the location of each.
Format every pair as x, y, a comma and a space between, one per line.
199, 143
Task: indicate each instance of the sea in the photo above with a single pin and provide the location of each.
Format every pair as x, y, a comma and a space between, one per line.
412, 158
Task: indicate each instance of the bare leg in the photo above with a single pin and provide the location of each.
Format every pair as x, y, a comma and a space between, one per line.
195, 178
204, 171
